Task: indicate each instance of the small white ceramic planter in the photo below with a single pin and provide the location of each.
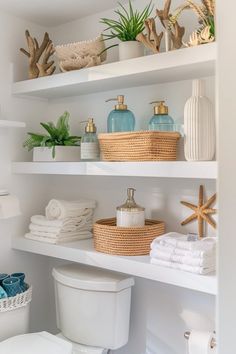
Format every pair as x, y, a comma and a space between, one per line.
62, 153
130, 50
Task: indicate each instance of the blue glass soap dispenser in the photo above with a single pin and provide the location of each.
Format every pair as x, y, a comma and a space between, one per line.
120, 119
161, 120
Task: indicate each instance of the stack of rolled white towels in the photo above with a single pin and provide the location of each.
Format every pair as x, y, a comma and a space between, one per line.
64, 221
178, 251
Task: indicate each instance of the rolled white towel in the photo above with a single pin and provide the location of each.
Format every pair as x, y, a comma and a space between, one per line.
198, 262
62, 209
180, 241
184, 267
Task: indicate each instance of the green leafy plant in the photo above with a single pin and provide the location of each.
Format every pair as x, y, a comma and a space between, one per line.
58, 135
129, 24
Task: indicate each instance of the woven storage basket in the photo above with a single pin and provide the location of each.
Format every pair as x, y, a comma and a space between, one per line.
14, 315
139, 146
108, 238
13, 303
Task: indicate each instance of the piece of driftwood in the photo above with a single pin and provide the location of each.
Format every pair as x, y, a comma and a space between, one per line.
152, 39
202, 212
176, 31
35, 52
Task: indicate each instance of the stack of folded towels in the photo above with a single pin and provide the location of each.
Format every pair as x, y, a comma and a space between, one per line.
65, 221
176, 251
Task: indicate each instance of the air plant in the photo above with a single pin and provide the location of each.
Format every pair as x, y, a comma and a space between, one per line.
58, 135
129, 24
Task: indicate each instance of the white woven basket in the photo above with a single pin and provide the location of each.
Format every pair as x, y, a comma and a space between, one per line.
13, 303
14, 315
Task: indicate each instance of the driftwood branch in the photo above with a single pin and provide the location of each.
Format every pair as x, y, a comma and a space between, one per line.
151, 39
35, 52
177, 32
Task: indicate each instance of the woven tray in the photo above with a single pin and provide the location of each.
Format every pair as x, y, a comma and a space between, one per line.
139, 146
108, 238
14, 303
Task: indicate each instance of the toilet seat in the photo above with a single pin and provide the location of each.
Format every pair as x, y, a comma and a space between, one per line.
83, 349
36, 343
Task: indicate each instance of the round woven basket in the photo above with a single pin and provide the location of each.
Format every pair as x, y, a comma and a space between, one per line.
123, 241
139, 146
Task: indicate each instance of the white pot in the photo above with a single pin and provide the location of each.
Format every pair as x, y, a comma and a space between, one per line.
62, 153
199, 126
130, 50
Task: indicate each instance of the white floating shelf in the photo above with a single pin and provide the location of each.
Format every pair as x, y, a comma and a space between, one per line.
165, 169
11, 124
182, 64
83, 252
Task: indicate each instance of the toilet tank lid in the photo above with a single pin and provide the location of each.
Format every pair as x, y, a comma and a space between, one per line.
90, 278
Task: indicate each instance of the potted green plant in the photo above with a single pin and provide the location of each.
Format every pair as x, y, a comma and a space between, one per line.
57, 145
129, 24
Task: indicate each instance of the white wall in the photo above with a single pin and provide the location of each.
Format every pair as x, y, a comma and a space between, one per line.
28, 190
160, 313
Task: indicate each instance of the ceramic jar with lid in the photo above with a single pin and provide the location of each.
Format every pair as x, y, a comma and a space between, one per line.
130, 214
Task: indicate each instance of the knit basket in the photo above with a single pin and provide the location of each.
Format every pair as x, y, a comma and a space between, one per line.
123, 241
139, 146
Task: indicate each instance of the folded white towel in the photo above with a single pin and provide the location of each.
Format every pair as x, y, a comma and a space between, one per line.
60, 235
180, 241
181, 252
55, 241
41, 220
170, 257
184, 267
62, 209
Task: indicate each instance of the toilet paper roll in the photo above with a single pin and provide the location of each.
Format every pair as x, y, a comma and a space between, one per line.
200, 343
9, 206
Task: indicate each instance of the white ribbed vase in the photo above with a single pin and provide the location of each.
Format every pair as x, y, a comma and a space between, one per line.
199, 125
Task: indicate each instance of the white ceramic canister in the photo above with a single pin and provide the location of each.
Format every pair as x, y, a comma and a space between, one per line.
130, 50
130, 214
199, 125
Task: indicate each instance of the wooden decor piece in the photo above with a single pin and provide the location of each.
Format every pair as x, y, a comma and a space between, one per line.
202, 212
178, 32
150, 40
36, 52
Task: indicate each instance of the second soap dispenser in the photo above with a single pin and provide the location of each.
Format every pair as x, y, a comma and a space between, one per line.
89, 142
120, 119
161, 120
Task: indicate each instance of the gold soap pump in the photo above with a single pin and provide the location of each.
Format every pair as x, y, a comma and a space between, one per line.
130, 214
161, 120
89, 142
120, 119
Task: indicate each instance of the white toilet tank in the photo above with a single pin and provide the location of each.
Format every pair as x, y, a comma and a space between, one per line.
93, 305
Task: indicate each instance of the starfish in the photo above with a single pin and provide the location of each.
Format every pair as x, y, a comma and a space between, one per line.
202, 212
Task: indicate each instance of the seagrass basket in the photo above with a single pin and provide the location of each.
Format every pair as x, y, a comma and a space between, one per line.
123, 241
139, 146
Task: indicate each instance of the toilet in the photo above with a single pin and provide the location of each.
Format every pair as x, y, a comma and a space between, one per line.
93, 313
